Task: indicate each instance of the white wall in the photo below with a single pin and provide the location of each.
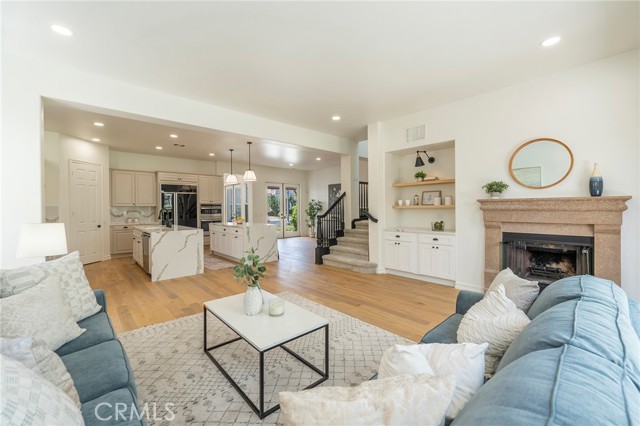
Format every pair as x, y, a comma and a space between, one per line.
319, 181
24, 83
155, 163
594, 109
51, 160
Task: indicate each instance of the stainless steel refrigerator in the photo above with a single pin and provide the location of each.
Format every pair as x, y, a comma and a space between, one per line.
179, 205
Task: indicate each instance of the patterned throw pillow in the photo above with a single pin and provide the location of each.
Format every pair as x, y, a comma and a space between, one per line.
520, 291
41, 312
72, 279
34, 354
30, 399
495, 320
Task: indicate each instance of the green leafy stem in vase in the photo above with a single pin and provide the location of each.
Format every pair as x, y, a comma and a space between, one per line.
249, 269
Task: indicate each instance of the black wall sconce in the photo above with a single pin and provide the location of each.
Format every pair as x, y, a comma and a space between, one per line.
420, 163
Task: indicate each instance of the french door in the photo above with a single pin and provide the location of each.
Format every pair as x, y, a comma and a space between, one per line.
282, 208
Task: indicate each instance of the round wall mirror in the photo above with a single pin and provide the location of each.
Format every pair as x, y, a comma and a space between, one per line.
541, 163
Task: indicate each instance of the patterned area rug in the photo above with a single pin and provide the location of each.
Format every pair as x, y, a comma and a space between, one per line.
170, 366
215, 263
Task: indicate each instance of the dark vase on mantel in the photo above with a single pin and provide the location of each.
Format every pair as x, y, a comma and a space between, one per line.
596, 183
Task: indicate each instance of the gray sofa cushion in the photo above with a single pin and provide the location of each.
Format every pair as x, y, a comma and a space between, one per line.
99, 330
99, 369
106, 405
445, 332
559, 386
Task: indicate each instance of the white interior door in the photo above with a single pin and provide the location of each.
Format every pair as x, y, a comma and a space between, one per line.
85, 210
282, 208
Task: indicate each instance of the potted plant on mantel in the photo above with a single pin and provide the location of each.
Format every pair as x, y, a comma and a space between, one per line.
313, 208
249, 270
420, 175
495, 188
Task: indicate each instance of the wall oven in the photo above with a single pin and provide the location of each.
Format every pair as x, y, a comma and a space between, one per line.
209, 213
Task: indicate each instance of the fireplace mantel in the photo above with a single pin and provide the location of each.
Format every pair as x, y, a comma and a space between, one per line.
598, 217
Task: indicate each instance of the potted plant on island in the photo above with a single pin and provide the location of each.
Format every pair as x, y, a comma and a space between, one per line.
495, 188
420, 175
249, 270
313, 208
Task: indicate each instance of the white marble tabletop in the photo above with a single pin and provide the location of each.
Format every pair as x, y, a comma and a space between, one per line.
263, 331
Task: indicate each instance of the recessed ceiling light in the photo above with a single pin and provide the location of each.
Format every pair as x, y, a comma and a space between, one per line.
62, 30
336, 118
318, 158
173, 135
95, 139
211, 154
98, 124
158, 147
550, 41
290, 164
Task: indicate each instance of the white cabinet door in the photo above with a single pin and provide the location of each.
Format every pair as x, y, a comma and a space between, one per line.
400, 255
145, 194
204, 189
438, 261
215, 190
122, 188
237, 246
427, 261
121, 240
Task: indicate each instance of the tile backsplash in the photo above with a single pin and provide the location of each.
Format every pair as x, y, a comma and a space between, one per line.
143, 214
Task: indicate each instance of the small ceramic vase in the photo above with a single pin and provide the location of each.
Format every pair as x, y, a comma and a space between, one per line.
596, 183
253, 301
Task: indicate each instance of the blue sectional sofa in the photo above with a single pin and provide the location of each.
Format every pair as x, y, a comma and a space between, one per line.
101, 372
576, 363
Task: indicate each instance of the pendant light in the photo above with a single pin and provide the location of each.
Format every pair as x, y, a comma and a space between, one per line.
231, 179
249, 175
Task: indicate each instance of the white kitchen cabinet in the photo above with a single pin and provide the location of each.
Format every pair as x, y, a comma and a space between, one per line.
137, 247
131, 188
400, 250
234, 241
437, 256
210, 189
237, 246
121, 239
169, 177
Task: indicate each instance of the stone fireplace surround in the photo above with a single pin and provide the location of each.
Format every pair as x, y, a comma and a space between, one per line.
597, 217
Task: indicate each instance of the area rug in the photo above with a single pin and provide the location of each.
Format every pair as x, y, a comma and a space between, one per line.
170, 366
214, 263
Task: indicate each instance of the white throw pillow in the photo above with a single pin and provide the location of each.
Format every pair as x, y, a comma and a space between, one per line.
30, 399
401, 400
495, 320
41, 312
465, 361
72, 280
34, 354
403, 359
520, 291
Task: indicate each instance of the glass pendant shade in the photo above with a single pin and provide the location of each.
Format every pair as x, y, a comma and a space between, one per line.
249, 176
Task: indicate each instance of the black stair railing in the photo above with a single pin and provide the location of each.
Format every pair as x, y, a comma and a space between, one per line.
363, 198
330, 226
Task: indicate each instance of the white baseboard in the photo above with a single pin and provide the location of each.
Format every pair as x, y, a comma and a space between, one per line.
463, 286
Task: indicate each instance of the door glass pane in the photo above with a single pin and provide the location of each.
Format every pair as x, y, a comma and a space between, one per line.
228, 203
273, 205
291, 203
237, 200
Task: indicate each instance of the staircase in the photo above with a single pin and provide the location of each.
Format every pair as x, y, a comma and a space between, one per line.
352, 250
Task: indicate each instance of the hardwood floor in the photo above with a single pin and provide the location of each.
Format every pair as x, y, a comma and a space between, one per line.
401, 305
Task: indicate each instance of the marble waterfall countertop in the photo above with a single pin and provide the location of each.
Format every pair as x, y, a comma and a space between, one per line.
174, 252
263, 237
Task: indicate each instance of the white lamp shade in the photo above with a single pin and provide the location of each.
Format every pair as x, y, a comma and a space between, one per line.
42, 239
231, 179
249, 176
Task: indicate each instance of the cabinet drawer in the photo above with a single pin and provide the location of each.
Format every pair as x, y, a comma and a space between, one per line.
400, 236
443, 240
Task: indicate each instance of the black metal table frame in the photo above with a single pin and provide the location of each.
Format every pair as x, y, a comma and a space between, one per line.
260, 412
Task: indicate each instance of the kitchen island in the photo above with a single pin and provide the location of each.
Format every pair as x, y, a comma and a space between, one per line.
233, 241
168, 252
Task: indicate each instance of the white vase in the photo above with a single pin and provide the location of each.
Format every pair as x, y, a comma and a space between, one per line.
253, 301
496, 194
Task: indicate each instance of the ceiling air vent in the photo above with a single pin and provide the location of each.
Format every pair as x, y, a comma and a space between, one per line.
416, 133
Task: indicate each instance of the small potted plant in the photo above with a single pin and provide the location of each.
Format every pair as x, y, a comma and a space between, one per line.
495, 188
420, 175
249, 270
313, 208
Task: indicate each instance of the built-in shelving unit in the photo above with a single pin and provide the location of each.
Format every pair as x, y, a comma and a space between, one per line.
425, 182
450, 206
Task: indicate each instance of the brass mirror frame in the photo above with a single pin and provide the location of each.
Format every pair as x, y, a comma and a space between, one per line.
524, 145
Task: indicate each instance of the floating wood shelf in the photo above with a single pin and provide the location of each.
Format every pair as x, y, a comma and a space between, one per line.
425, 182
451, 206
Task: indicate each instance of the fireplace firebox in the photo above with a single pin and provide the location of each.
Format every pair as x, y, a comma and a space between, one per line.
547, 258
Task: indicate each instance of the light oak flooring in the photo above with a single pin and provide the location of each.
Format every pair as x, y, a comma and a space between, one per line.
401, 305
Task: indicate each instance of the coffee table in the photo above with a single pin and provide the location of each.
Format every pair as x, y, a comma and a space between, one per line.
265, 333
